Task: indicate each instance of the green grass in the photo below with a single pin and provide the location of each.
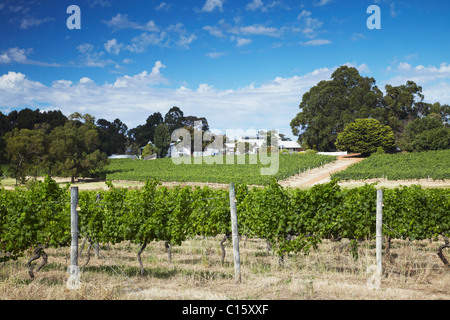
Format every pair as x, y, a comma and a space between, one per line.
403, 166
230, 171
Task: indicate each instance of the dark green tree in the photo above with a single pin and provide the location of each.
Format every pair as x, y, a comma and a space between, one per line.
174, 119
162, 139
4, 128
327, 107
28, 119
113, 136
74, 149
424, 134
52, 118
25, 118
25, 152
190, 121
403, 104
142, 134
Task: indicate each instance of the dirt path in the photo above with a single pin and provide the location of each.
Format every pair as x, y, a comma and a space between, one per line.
322, 174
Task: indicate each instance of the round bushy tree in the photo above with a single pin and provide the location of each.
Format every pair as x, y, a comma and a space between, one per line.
365, 136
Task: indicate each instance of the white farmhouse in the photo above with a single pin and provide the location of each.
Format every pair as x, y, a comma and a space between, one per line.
291, 146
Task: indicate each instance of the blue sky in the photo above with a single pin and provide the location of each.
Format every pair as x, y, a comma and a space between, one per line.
241, 64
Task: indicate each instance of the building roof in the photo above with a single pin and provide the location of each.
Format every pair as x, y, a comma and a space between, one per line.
289, 145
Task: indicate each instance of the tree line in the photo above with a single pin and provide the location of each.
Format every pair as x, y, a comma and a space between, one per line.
399, 116
49, 143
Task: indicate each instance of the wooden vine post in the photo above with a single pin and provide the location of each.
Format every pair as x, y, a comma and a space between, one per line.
379, 234
74, 270
235, 234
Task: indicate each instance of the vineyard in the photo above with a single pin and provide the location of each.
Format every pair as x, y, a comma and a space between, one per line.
289, 221
419, 165
227, 169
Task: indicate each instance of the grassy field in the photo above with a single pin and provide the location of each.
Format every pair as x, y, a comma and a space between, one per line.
433, 165
195, 272
238, 169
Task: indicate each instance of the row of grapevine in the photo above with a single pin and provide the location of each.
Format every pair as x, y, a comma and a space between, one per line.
291, 220
227, 169
328, 212
402, 166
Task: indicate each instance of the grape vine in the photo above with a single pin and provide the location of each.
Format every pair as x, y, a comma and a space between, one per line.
291, 220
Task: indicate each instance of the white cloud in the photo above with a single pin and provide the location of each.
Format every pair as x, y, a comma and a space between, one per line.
112, 46
91, 58
16, 90
211, 5
100, 3
134, 98
258, 29
214, 31
4, 58
85, 48
316, 42
205, 88
163, 6
62, 84
358, 36
243, 42
139, 43
144, 78
434, 80
185, 41
85, 80
412, 56
156, 69
121, 21
215, 55
11, 80
31, 22
175, 35
321, 3
307, 24
363, 68
419, 74
439, 92
19, 55
393, 12
404, 66
304, 13
255, 5
19, 9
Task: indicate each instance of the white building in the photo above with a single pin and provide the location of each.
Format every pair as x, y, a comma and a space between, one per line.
257, 142
178, 151
230, 148
292, 146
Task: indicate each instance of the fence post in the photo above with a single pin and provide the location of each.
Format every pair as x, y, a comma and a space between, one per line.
235, 234
74, 279
379, 234
97, 245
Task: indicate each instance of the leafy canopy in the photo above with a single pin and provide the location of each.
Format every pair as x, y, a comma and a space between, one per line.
366, 136
330, 105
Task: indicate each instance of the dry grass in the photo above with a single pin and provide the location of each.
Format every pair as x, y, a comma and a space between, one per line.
197, 273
